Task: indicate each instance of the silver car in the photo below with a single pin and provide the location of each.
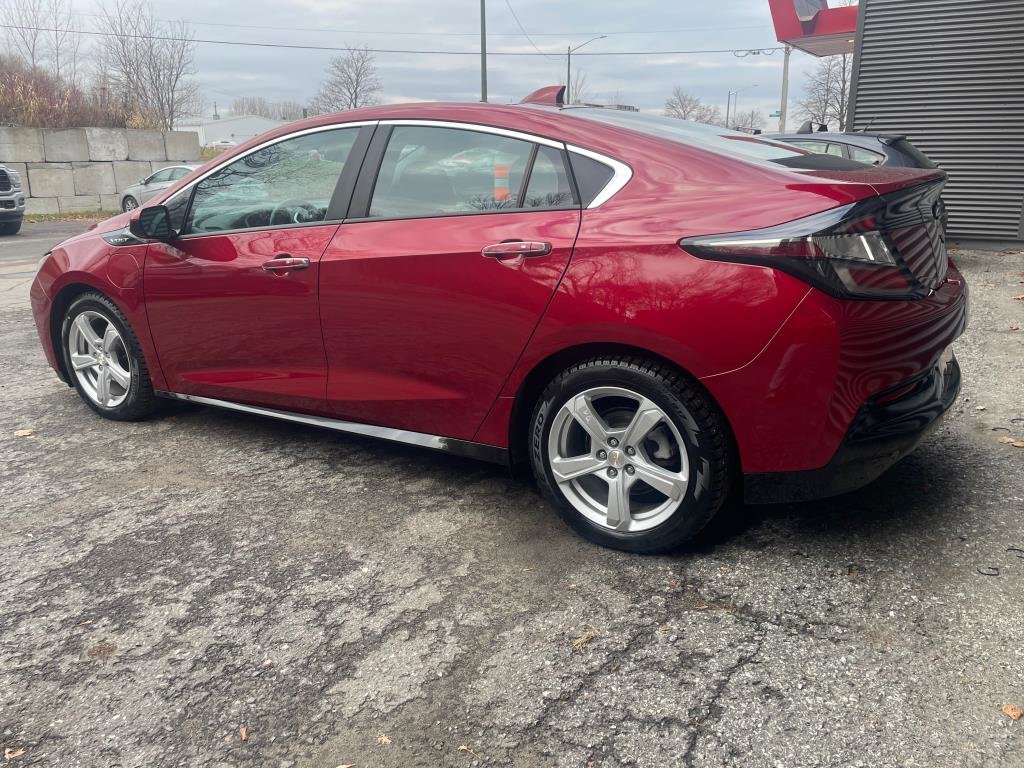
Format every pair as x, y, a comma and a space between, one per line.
137, 194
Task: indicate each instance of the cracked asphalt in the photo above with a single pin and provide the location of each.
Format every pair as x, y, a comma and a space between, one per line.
212, 589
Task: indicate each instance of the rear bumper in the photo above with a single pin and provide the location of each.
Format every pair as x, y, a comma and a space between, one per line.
886, 428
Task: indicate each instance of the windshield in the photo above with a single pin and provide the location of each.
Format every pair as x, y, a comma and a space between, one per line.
733, 143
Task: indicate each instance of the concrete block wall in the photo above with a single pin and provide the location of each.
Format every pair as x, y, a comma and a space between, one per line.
87, 169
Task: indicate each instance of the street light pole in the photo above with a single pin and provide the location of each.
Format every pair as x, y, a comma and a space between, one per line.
568, 64
785, 90
483, 50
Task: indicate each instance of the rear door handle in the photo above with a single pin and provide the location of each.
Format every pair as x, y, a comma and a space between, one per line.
285, 264
511, 248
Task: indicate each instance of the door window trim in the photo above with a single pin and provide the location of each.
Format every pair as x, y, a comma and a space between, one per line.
621, 173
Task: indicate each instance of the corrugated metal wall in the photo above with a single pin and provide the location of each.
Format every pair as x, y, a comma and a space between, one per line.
950, 75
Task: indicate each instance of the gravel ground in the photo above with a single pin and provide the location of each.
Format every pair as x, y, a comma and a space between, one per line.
210, 589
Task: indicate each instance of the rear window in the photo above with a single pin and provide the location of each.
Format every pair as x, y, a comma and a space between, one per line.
905, 147
733, 143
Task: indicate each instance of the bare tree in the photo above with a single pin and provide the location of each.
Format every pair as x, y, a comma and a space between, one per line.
63, 42
827, 91
579, 93
149, 62
25, 37
749, 120
274, 110
351, 82
686, 106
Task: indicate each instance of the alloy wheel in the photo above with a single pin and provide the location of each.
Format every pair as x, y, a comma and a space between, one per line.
130, 204
99, 359
618, 459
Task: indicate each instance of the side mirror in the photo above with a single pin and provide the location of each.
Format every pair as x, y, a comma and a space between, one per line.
153, 223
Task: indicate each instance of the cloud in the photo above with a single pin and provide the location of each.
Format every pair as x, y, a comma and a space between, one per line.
225, 72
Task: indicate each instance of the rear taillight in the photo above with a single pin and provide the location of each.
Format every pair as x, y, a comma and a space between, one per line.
845, 252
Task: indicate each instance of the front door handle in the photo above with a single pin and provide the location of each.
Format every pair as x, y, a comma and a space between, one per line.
513, 248
285, 264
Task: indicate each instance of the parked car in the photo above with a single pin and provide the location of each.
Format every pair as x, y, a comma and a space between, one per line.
153, 184
669, 315
222, 144
12, 201
862, 146
156, 182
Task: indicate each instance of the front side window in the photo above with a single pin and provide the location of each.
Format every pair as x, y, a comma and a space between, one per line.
287, 183
160, 177
429, 171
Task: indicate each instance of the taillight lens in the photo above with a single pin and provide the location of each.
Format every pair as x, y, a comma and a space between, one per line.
842, 252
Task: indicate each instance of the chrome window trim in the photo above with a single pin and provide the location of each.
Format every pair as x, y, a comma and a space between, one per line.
481, 451
621, 174
479, 128
264, 145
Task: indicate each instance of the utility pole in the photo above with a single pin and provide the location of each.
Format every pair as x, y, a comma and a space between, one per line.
483, 50
728, 102
568, 73
785, 90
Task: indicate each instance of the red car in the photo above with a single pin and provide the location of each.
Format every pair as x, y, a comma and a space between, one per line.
653, 314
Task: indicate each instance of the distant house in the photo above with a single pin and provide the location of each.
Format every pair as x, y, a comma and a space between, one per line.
236, 128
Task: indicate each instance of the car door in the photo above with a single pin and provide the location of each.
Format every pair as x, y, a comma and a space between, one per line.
429, 292
232, 302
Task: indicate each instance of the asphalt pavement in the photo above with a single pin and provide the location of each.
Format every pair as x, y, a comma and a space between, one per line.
213, 589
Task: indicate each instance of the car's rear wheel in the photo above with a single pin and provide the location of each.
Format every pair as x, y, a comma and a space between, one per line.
103, 357
631, 453
10, 228
129, 203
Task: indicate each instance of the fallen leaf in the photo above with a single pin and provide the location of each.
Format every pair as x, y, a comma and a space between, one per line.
345, 765
1014, 327
10, 752
585, 639
23, 432
1012, 441
1013, 712
1019, 298
243, 732
383, 740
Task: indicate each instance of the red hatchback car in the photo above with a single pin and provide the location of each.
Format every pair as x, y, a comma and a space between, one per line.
653, 314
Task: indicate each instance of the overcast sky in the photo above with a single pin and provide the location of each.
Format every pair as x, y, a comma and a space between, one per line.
226, 72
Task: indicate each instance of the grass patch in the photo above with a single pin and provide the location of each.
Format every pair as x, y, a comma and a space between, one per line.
37, 218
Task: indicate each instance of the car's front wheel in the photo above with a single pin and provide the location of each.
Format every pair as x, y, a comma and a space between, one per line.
104, 359
129, 203
631, 453
10, 228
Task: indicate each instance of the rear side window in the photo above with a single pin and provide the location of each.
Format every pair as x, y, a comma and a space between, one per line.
866, 156
549, 183
179, 173
160, 176
434, 171
591, 176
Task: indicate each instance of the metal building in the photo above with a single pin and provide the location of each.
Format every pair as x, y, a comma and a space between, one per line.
950, 75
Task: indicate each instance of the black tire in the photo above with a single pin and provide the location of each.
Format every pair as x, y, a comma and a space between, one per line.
124, 204
140, 401
10, 228
697, 421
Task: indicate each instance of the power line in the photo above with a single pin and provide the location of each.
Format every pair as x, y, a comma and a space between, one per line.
336, 30
526, 34
301, 47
